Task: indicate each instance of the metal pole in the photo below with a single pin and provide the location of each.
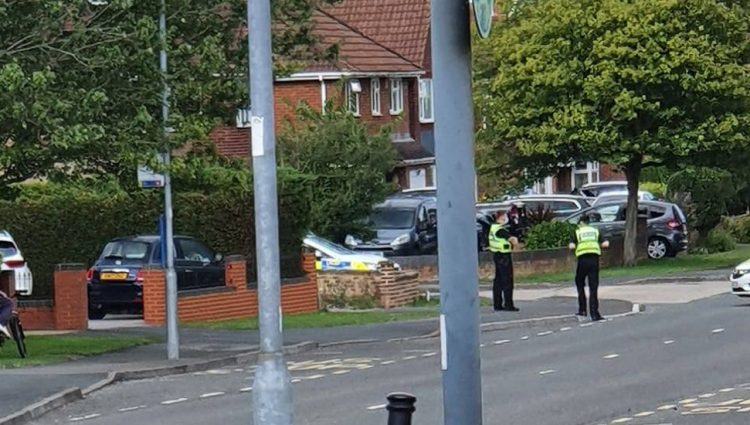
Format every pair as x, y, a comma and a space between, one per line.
272, 391
173, 336
457, 262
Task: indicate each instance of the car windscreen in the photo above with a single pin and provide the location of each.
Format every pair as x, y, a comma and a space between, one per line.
329, 246
392, 218
8, 249
132, 251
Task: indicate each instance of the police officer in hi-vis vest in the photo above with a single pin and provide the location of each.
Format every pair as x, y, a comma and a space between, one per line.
587, 243
501, 246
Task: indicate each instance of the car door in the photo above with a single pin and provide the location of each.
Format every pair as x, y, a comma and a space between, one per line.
181, 268
607, 219
203, 269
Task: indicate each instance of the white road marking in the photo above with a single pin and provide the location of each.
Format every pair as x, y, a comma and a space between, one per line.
643, 414
175, 401
545, 333
313, 377
246, 389
387, 362
296, 380
524, 338
585, 325
667, 407
85, 418
409, 358
432, 354
130, 409
729, 402
688, 400
669, 341
218, 372
341, 372
708, 395
717, 331
611, 356
745, 403
546, 372
726, 390
377, 407
502, 341
622, 420
209, 395
744, 410
565, 329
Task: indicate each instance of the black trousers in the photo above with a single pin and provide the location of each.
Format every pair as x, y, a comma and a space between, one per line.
502, 288
588, 268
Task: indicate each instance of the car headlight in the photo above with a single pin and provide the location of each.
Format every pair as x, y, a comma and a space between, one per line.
401, 240
351, 240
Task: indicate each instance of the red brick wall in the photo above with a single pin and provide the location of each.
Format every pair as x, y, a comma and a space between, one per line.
610, 173
70, 307
237, 301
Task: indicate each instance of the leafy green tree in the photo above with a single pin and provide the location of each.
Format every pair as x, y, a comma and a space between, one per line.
630, 83
345, 163
81, 84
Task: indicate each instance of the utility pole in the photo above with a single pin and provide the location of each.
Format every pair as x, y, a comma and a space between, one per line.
272, 391
457, 238
173, 335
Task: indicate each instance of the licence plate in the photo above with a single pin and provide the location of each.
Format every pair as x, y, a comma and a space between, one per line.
114, 276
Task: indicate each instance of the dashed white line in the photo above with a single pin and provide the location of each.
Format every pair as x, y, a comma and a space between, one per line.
744, 410
377, 407
545, 333
482, 345
622, 420
667, 407
708, 395
210, 395
296, 380
717, 331
387, 362
611, 356
432, 354
726, 390
688, 400
668, 342
313, 377
729, 402
546, 372
175, 401
341, 372
130, 409
644, 414
502, 341
524, 338
409, 358
565, 329
246, 389
585, 325
85, 418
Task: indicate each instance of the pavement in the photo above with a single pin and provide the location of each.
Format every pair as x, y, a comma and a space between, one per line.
673, 364
30, 385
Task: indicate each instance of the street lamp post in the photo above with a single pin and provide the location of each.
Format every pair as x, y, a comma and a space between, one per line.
272, 392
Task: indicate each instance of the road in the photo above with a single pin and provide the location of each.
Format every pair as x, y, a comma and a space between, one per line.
674, 364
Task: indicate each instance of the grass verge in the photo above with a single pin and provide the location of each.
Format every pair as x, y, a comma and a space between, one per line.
45, 350
656, 268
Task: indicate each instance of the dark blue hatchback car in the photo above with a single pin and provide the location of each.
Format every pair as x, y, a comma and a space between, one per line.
115, 282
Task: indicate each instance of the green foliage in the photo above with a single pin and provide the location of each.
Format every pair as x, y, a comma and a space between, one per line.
81, 83
738, 227
704, 192
345, 164
539, 215
719, 240
657, 189
627, 83
549, 235
72, 225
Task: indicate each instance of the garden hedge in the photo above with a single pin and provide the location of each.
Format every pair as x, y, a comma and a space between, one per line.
74, 226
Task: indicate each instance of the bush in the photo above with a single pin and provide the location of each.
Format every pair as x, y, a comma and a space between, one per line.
703, 193
719, 240
73, 225
539, 215
738, 227
553, 234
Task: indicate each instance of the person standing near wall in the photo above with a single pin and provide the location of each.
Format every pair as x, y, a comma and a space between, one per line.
501, 245
587, 243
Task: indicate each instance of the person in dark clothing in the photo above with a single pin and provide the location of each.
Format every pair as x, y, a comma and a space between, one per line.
587, 243
6, 312
501, 246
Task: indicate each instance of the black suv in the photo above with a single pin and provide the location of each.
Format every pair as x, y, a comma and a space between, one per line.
115, 282
667, 225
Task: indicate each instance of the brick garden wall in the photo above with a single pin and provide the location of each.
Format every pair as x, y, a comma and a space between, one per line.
68, 310
235, 300
388, 287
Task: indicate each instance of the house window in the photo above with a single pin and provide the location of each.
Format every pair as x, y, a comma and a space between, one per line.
417, 178
375, 96
584, 173
426, 110
397, 96
353, 90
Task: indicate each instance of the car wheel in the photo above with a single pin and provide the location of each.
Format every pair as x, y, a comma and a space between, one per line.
97, 313
657, 248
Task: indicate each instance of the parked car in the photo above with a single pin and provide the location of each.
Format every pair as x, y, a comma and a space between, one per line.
611, 197
332, 256
740, 279
560, 205
14, 265
593, 190
667, 225
115, 282
402, 225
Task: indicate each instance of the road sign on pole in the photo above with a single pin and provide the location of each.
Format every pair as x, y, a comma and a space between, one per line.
484, 11
457, 238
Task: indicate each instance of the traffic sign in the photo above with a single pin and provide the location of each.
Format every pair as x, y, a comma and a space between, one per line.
484, 11
148, 179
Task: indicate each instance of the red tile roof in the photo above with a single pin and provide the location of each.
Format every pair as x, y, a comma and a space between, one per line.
401, 25
357, 52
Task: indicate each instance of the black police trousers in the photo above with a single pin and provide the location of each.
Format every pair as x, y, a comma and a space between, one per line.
502, 288
588, 268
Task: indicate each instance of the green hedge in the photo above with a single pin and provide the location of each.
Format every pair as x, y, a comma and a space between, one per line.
719, 240
549, 235
74, 225
738, 227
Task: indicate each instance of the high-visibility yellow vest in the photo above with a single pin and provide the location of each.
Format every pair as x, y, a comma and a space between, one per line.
500, 245
587, 238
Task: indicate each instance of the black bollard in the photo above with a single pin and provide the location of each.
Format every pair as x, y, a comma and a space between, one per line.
400, 408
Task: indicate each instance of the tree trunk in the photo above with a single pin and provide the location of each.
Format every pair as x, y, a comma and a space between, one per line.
633, 175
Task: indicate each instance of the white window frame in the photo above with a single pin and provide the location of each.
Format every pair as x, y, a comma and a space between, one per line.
353, 90
397, 96
426, 101
591, 171
375, 97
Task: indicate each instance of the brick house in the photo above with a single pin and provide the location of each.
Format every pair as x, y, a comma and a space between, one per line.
576, 176
377, 82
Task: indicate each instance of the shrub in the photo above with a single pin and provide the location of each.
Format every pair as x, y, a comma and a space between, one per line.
738, 227
719, 240
548, 235
539, 215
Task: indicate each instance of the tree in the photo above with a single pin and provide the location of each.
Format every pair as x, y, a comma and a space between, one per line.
81, 81
630, 83
346, 164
